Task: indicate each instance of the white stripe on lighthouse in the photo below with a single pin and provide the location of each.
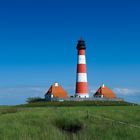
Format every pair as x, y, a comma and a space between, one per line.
81, 59
81, 77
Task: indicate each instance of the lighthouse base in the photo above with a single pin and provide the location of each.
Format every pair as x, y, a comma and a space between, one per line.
78, 95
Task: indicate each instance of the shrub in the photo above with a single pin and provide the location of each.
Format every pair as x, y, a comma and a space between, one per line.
34, 99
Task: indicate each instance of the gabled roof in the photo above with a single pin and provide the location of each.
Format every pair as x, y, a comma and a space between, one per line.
105, 91
57, 91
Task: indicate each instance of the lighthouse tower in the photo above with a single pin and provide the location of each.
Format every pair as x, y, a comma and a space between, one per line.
81, 80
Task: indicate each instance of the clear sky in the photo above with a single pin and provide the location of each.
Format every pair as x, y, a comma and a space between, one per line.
38, 46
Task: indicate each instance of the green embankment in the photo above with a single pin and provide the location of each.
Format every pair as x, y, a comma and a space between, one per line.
77, 103
70, 123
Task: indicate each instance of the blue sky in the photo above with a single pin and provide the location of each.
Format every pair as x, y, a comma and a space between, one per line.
38, 46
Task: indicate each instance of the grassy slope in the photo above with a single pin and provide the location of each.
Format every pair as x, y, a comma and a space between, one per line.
40, 123
76, 103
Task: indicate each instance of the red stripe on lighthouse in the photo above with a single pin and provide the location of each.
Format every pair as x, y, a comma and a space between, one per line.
82, 87
81, 52
81, 68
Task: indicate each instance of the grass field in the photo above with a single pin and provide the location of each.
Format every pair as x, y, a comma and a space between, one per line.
70, 123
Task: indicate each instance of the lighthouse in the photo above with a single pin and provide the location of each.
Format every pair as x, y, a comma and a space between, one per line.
81, 79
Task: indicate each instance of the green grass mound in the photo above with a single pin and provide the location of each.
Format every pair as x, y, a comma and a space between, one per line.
8, 110
77, 103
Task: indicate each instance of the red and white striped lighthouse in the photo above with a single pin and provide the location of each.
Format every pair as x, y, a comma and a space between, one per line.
81, 80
